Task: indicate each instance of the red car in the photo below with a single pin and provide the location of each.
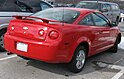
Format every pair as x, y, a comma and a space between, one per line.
58, 35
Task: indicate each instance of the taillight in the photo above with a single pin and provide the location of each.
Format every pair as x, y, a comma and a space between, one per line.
41, 32
53, 34
11, 29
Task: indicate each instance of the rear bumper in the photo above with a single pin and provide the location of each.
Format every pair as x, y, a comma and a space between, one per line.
42, 51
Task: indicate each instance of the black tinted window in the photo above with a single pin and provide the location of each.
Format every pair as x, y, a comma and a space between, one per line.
28, 5
8, 6
45, 6
22, 7
35, 4
87, 21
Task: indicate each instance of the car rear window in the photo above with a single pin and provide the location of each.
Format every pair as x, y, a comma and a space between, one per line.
62, 15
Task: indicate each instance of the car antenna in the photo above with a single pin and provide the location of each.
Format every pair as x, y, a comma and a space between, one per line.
63, 14
97, 2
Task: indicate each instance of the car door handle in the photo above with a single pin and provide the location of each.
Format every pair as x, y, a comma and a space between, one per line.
96, 33
105, 32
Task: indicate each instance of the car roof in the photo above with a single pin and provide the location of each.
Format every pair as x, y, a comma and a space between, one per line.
102, 2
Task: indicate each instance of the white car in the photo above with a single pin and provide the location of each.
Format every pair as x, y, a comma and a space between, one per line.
9, 8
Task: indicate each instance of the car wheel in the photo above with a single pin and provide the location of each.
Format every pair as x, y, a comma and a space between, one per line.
2, 32
117, 20
114, 49
78, 61
120, 19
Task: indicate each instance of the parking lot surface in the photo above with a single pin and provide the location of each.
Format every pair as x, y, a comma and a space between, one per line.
105, 65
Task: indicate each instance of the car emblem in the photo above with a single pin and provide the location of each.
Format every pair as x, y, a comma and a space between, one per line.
25, 28
24, 32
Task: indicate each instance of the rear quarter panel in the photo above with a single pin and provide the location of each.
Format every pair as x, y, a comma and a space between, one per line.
73, 35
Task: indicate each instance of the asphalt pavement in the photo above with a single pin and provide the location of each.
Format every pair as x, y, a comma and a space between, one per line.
105, 65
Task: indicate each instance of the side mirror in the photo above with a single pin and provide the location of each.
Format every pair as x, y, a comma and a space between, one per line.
113, 24
104, 10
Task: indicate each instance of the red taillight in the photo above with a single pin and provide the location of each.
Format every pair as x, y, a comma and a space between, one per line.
11, 29
41, 32
53, 34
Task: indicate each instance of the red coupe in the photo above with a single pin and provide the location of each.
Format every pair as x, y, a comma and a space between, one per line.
58, 35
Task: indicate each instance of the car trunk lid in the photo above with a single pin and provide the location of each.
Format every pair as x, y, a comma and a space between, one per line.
28, 29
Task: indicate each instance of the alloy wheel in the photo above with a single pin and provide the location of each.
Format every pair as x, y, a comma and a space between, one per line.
80, 59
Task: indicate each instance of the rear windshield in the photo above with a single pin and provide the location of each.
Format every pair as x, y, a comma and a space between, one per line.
62, 15
88, 5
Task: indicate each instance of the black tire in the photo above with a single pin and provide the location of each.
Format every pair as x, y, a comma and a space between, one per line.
2, 32
120, 19
117, 20
114, 49
74, 62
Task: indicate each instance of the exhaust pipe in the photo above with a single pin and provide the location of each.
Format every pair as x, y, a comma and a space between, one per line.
9, 53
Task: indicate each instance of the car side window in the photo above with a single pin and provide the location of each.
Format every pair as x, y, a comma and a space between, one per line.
102, 16
35, 4
29, 5
87, 21
21, 6
106, 6
8, 6
115, 7
99, 19
45, 6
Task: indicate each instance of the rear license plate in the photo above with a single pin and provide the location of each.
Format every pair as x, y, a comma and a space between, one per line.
22, 47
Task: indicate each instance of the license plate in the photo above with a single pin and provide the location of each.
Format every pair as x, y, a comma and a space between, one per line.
22, 47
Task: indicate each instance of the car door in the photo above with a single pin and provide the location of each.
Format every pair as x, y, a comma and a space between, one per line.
103, 26
92, 32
